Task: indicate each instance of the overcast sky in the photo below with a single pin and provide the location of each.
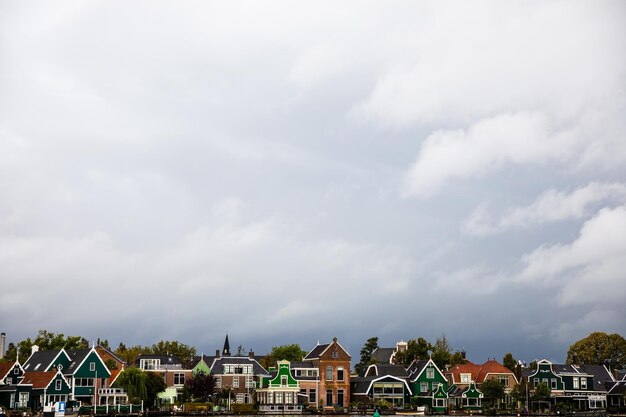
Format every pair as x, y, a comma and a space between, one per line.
289, 171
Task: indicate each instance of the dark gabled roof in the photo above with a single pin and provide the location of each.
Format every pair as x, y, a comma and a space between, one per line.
207, 359
77, 356
257, 369
302, 365
316, 351
382, 369
40, 361
619, 388
360, 385
416, 367
599, 372
383, 355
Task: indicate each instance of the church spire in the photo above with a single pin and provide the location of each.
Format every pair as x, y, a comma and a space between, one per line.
226, 350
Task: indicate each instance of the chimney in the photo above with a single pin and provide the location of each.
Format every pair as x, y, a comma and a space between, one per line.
217, 353
463, 354
3, 337
251, 355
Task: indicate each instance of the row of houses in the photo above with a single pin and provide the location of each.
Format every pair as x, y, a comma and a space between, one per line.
322, 379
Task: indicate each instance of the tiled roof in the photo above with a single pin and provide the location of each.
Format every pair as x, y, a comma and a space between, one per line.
316, 351
39, 380
216, 366
5, 368
382, 369
165, 359
77, 356
492, 367
41, 360
478, 372
383, 355
302, 364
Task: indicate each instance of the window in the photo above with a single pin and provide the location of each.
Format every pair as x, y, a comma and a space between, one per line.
575, 382
430, 373
423, 386
329, 397
535, 382
249, 381
16, 371
435, 386
335, 354
9, 381
288, 398
583, 383
179, 379
466, 378
553, 383
279, 397
340, 397
239, 398
329, 373
236, 382
218, 382
340, 373
92, 366
298, 372
283, 380
57, 385
504, 380
312, 396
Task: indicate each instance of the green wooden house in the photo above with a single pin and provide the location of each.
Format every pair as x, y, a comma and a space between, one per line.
87, 373
429, 385
279, 391
472, 398
47, 388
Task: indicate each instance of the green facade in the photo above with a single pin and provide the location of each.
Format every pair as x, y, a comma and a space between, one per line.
61, 360
201, 366
429, 382
472, 397
440, 400
92, 367
545, 374
283, 377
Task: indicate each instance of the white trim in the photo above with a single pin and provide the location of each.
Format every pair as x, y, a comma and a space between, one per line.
392, 377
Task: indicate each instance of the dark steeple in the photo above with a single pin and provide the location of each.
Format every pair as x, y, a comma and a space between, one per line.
226, 350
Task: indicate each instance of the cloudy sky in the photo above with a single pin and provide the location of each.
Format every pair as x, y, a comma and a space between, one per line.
288, 172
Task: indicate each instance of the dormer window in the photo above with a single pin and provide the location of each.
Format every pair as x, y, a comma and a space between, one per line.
37, 367
430, 373
466, 378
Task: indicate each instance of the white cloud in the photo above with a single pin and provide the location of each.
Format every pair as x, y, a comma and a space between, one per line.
483, 148
550, 206
588, 271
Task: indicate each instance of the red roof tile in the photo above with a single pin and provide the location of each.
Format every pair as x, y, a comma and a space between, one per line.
39, 380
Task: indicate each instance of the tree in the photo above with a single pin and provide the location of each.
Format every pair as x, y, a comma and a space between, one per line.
415, 349
542, 393
366, 354
599, 348
441, 352
155, 384
518, 393
130, 355
133, 380
493, 390
200, 386
291, 353
509, 362
179, 350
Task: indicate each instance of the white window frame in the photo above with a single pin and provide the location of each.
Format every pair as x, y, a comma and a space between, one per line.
575, 383
430, 373
329, 375
92, 366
